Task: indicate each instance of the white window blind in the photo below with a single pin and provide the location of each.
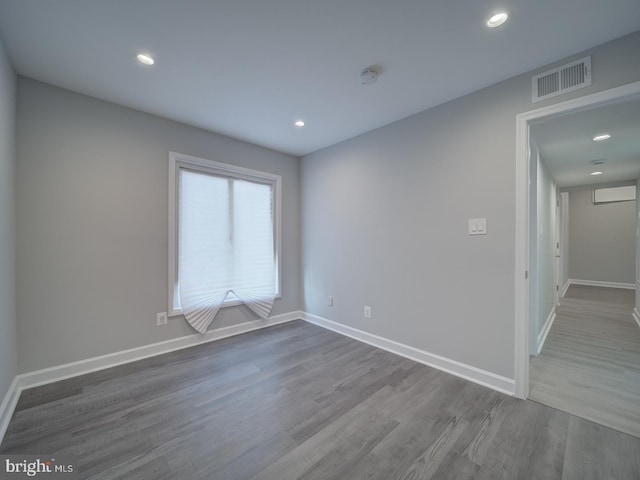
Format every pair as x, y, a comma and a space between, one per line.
226, 241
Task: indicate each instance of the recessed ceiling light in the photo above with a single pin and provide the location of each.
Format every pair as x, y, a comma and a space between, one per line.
601, 137
145, 59
299, 123
497, 19
596, 173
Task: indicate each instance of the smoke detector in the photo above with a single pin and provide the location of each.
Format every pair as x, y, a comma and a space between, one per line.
368, 76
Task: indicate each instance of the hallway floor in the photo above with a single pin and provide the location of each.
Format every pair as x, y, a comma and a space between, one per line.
590, 363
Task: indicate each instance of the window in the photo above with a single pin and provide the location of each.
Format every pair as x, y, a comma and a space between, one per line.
224, 231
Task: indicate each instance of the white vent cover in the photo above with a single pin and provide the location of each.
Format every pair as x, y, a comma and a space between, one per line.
566, 78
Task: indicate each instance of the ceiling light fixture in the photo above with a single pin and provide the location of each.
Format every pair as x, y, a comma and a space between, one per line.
145, 59
596, 173
601, 137
299, 123
497, 19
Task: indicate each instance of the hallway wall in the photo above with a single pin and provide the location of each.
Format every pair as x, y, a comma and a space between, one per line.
602, 239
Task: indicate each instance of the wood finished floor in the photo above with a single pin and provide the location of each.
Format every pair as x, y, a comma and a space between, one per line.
299, 402
590, 363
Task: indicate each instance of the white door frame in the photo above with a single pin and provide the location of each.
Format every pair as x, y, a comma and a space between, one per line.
523, 196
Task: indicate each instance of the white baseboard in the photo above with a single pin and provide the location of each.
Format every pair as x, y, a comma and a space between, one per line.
468, 372
8, 406
68, 370
596, 283
636, 316
542, 337
565, 288
74, 369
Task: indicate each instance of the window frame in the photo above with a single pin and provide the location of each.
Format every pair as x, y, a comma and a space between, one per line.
179, 161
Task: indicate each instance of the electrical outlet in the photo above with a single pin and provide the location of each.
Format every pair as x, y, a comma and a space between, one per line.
161, 318
478, 226
330, 301
367, 311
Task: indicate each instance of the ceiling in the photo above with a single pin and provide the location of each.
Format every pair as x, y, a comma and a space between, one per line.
567, 147
249, 68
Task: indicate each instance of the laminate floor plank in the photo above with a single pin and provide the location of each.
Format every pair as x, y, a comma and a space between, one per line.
590, 363
529, 444
596, 453
296, 401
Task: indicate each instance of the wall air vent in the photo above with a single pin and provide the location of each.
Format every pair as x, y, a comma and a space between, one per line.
566, 78
614, 194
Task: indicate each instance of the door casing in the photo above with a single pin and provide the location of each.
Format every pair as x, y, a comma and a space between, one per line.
523, 198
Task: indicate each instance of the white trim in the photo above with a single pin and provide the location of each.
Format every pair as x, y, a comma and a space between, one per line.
565, 288
597, 283
542, 337
522, 347
82, 367
172, 236
68, 370
8, 406
178, 160
636, 316
459, 369
523, 120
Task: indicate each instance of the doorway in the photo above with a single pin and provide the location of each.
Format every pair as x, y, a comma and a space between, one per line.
524, 195
590, 362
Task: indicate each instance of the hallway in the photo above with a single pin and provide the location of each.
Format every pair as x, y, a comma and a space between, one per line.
590, 363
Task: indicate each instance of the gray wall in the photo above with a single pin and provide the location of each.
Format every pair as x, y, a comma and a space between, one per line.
384, 220
547, 237
8, 358
541, 245
602, 239
92, 224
